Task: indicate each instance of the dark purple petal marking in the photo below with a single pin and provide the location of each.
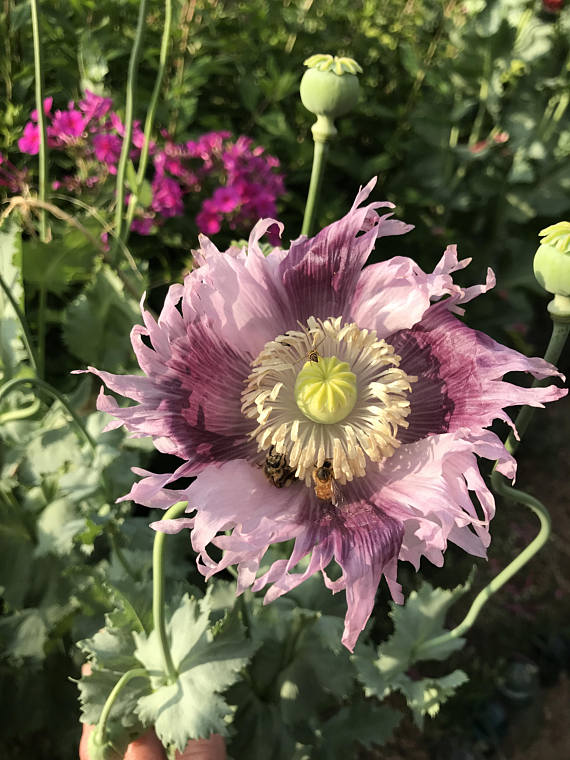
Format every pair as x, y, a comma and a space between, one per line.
460, 374
319, 274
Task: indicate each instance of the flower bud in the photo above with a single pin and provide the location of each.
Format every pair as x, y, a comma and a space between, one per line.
329, 88
552, 266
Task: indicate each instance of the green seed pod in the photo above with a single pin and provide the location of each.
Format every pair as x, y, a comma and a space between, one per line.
552, 259
329, 88
552, 266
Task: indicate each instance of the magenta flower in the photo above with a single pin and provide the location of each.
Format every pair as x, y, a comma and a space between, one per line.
67, 125
95, 106
47, 104
29, 142
107, 147
340, 407
225, 199
167, 196
209, 219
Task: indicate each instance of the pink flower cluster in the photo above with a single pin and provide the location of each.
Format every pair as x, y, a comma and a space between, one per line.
239, 179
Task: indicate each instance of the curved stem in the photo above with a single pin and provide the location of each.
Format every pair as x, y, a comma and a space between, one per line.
150, 117
27, 337
158, 590
560, 330
20, 414
507, 573
128, 131
13, 384
317, 172
38, 74
121, 683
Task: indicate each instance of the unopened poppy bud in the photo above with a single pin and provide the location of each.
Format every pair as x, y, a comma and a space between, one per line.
329, 88
552, 266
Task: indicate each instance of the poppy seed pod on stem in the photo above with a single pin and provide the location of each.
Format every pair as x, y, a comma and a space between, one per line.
329, 88
552, 267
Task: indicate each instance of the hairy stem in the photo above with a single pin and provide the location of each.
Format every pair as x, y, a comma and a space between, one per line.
43, 152
158, 590
317, 172
121, 683
16, 383
150, 116
128, 130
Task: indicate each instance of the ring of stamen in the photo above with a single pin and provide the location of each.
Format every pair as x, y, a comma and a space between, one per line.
367, 432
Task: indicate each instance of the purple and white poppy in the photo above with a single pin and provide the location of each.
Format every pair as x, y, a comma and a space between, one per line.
315, 400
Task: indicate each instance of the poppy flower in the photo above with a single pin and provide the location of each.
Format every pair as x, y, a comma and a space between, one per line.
316, 401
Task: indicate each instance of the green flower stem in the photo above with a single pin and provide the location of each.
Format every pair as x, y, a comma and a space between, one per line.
17, 382
20, 414
27, 337
319, 161
129, 107
150, 116
505, 575
43, 152
560, 330
121, 683
158, 590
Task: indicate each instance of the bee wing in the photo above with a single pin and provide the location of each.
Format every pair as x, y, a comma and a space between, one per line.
337, 495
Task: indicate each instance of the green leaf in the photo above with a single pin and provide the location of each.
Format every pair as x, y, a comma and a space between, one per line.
259, 728
111, 652
424, 697
134, 610
249, 92
420, 619
362, 722
145, 193
16, 553
11, 347
131, 177
206, 662
96, 324
94, 690
23, 635
60, 263
57, 527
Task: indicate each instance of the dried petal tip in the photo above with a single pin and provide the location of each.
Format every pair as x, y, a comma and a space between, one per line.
557, 235
338, 65
552, 259
329, 89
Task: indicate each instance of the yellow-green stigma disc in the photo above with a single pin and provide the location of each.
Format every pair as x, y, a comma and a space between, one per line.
325, 391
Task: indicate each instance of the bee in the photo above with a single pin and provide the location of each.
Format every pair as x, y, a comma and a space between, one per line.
276, 469
312, 355
326, 487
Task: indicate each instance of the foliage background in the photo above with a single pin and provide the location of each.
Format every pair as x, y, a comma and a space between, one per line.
464, 117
